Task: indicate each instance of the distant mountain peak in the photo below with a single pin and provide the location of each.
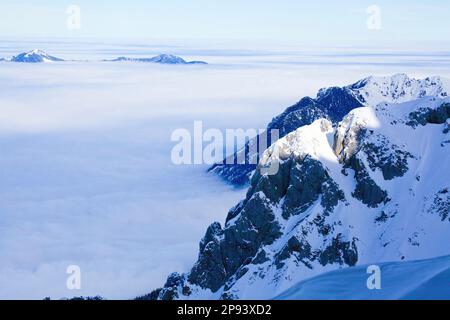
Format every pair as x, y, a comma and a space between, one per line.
168, 58
36, 51
33, 56
161, 59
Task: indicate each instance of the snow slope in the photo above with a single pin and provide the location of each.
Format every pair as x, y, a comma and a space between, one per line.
415, 280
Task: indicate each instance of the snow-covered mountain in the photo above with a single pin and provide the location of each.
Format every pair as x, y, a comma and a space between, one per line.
34, 56
333, 104
162, 59
396, 89
37, 56
415, 280
373, 188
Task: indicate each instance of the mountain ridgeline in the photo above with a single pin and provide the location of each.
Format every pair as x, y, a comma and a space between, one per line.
33, 56
363, 178
39, 56
332, 104
160, 59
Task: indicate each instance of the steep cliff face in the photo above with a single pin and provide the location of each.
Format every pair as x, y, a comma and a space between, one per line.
372, 189
333, 104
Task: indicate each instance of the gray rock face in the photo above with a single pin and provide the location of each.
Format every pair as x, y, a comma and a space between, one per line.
391, 159
446, 128
210, 258
299, 248
441, 204
304, 189
227, 254
171, 288
361, 150
432, 116
367, 191
340, 251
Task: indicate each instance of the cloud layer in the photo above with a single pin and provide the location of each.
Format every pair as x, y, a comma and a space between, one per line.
85, 171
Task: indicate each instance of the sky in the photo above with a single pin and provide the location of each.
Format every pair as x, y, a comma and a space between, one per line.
292, 21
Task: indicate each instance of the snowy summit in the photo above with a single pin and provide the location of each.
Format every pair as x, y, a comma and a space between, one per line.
33, 56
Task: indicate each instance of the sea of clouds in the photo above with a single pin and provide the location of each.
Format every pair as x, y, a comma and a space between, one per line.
86, 176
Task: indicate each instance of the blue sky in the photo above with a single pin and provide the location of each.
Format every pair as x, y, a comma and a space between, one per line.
295, 21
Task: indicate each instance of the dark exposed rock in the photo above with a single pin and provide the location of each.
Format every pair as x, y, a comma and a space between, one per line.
210, 260
234, 212
174, 280
301, 249
95, 298
213, 233
441, 204
340, 252
424, 116
383, 217
186, 291
367, 191
261, 257
337, 102
170, 289
227, 296
154, 295
225, 254
168, 294
274, 186
241, 272
389, 158
305, 112
308, 181
322, 227
256, 226
446, 128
